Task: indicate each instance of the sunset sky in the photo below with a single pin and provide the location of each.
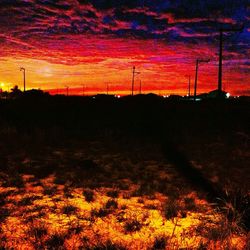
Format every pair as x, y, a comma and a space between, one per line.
93, 43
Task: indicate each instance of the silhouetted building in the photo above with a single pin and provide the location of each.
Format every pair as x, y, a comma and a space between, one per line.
217, 94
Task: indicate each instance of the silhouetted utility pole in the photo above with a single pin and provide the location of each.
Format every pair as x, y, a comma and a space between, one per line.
220, 54
196, 74
24, 78
189, 86
107, 88
67, 90
133, 80
83, 89
140, 87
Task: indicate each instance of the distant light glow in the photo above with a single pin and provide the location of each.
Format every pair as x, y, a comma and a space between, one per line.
227, 95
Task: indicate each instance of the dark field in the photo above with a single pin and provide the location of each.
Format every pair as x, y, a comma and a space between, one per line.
130, 173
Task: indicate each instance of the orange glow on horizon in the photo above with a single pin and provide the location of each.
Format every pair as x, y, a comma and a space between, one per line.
164, 69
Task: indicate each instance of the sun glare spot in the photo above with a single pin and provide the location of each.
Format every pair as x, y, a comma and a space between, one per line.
45, 72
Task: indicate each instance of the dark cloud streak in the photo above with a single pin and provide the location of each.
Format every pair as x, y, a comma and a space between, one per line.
43, 24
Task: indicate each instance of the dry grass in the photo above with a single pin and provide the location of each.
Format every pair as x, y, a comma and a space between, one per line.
112, 200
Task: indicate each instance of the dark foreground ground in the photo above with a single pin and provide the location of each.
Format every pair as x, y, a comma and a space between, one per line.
129, 173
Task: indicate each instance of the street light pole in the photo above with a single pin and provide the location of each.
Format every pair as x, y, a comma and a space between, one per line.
24, 78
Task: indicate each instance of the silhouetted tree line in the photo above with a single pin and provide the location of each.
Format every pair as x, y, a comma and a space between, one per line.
17, 93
